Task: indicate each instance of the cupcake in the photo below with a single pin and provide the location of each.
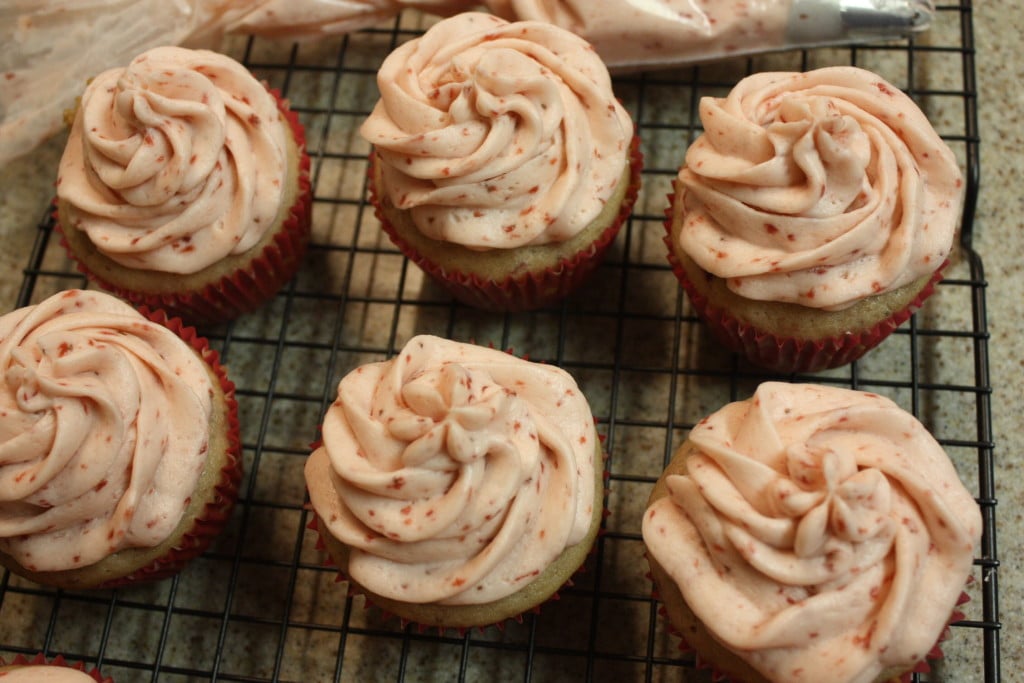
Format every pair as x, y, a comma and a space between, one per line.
119, 450
185, 185
796, 535
502, 163
812, 216
40, 670
455, 485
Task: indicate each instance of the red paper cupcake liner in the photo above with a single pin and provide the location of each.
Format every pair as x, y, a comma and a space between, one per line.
41, 660
386, 614
249, 287
528, 291
718, 676
217, 511
787, 354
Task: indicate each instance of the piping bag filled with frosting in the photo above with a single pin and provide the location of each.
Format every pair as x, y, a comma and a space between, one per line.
649, 34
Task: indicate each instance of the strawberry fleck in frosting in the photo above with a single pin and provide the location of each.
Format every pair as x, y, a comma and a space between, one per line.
812, 528
175, 161
454, 473
818, 189
103, 430
495, 135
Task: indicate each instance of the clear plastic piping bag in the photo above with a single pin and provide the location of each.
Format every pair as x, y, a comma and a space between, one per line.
50, 48
649, 34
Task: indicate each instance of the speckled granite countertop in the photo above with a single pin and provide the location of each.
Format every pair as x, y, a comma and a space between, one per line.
26, 185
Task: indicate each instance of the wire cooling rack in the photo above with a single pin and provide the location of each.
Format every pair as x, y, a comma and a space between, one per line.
260, 605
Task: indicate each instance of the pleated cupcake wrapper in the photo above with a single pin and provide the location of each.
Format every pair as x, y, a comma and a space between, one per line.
354, 588
528, 291
250, 287
386, 615
922, 666
218, 510
787, 354
41, 660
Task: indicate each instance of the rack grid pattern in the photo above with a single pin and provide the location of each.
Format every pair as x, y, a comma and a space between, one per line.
262, 606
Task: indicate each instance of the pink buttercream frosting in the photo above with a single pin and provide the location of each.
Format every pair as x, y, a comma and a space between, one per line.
175, 161
104, 420
495, 135
818, 189
812, 526
454, 473
45, 674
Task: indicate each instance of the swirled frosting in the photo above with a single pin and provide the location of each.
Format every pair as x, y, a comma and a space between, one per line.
45, 674
495, 135
818, 189
175, 161
812, 525
104, 419
453, 472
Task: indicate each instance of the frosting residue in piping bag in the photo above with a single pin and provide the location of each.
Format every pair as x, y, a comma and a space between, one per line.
104, 425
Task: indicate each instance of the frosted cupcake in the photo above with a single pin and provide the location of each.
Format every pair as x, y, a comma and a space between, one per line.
119, 452
812, 216
456, 485
38, 669
503, 164
795, 535
184, 185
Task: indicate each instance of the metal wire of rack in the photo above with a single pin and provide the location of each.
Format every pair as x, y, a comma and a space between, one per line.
261, 605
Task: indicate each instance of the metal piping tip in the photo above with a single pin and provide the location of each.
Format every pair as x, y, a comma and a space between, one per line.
822, 22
